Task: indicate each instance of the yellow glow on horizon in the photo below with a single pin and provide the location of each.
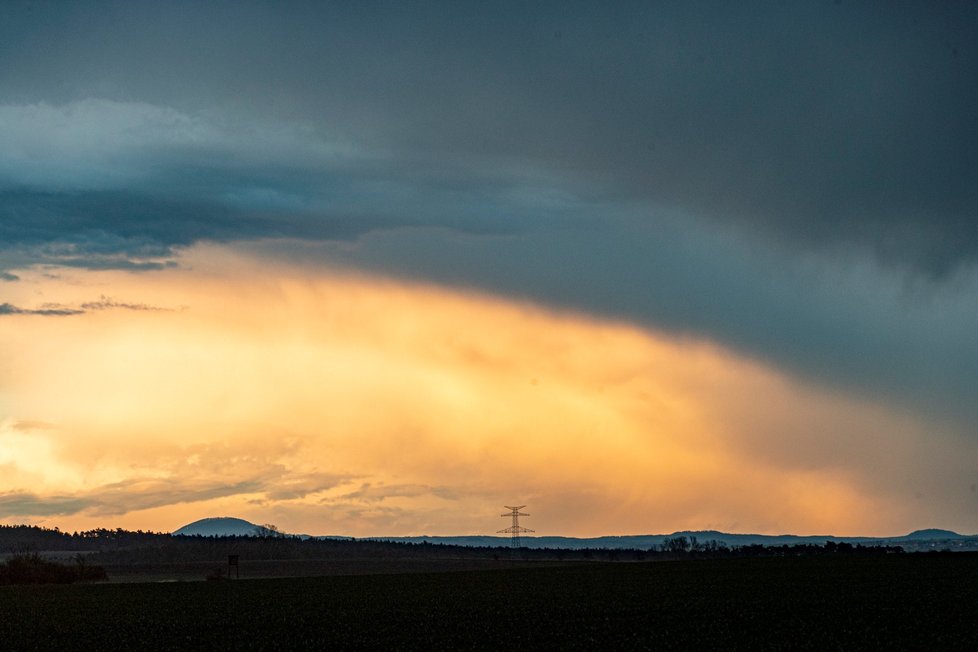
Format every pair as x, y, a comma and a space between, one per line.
332, 403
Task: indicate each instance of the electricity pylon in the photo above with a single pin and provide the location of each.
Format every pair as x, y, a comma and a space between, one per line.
515, 528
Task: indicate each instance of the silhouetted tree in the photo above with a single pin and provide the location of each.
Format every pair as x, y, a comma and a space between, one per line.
269, 531
678, 544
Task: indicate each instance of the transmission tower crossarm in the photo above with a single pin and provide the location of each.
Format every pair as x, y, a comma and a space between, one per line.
515, 529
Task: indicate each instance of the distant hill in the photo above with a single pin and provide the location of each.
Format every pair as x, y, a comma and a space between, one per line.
628, 542
917, 540
224, 526
914, 540
933, 534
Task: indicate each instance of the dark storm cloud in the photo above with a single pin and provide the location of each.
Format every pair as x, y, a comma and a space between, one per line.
78, 211
818, 123
730, 170
136, 230
7, 276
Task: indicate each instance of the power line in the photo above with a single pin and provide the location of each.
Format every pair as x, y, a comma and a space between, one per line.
515, 528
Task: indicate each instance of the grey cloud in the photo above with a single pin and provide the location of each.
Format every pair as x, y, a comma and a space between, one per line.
29, 504
132, 495
371, 493
140, 229
104, 230
120, 497
59, 310
295, 486
94, 262
373, 514
136, 494
108, 303
25, 425
7, 276
9, 309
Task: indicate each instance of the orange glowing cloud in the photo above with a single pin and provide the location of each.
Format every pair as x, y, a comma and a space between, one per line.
328, 402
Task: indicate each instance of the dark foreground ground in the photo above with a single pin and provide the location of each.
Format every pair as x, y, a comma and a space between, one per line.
251, 569
919, 602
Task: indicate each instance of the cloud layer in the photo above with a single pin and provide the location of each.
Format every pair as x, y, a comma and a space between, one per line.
353, 405
796, 184
820, 125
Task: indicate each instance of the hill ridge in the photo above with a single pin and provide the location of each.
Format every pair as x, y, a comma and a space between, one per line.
233, 526
215, 526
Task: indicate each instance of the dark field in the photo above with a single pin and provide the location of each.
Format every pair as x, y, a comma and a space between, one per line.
250, 569
833, 602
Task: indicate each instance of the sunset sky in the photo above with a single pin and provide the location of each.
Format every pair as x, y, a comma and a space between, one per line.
364, 268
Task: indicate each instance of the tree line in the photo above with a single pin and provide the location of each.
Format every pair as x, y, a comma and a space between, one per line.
106, 546
32, 568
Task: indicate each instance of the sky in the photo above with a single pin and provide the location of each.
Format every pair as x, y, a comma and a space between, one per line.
382, 268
